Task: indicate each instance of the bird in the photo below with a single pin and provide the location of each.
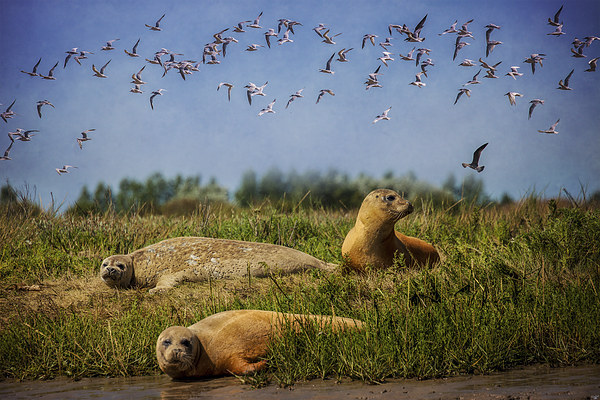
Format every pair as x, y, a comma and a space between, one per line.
133, 52
408, 56
285, 38
461, 92
50, 75
490, 44
554, 21
329, 39
64, 169
475, 163
109, 45
70, 53
82, 56
327, 69
557, 32
473, 81
136, 89
42, 103
386, 57
533, 59
490, 29
463, 31
137, 78
467, 63
368, 36
322, 93
5, 157
268, 109
156, 26
100, 74
592, 64
84, 137
255, 24
452, 29
552, 129
417, 82
512, 97
23, 135
386, 43
240, 27
565, 85
294, 96
342, 54
414, 36
490, 73
34, 70
534, 103
420, 53
383, 115
268, 34
514, 72
488, 66
229, 87
578, 53
253, 90
154, 94
319, 28
457, 46
8, 113
253, 47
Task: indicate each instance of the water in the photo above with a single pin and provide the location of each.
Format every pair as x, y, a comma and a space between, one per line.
539, 382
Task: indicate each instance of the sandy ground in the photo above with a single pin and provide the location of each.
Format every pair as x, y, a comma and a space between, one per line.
539, 382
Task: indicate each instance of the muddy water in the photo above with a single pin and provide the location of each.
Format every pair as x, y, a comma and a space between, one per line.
529, 383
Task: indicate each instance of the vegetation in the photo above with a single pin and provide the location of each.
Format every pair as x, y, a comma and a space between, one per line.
519, 284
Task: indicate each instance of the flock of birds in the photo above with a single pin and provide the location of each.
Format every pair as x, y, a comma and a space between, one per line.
215, 51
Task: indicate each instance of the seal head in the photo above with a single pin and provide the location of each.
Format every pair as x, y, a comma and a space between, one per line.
117, 271
178, 351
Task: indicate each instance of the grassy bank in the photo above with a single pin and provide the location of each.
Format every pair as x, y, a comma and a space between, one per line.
517, 285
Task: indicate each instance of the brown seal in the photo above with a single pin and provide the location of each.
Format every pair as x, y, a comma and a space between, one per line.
195, 259
374, 242
231, 342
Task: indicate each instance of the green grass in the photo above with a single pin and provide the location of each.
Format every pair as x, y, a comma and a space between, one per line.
517, 285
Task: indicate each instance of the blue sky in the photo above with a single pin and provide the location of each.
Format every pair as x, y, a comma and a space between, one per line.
194, 130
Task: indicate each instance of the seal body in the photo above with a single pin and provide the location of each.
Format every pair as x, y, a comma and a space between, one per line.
374, 242
230, 342
195, 259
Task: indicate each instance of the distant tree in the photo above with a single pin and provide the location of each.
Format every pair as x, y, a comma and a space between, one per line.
248, 190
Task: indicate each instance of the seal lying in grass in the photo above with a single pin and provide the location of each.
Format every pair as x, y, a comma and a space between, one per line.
231, 342
374, 242
195, 259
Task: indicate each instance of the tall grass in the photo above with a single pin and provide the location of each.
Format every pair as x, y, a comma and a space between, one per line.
517, 285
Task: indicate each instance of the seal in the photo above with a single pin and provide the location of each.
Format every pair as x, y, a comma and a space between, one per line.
231, 342
170, 262
374, 242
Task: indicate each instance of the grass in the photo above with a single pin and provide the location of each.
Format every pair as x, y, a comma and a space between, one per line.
517, 285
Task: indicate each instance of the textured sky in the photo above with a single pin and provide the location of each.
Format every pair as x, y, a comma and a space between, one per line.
195, 130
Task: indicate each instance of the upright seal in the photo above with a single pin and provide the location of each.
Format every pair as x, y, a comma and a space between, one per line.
194, 259
374, 242
231, 342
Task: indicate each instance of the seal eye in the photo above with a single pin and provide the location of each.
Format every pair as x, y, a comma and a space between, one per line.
121, 266
390, 197
166, 342
104, 264
186, 343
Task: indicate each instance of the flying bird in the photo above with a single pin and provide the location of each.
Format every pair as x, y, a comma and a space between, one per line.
534, 103
565, 85
255, 24
514, 72
84, 137
136, 89
552, 129
461, 92
408, 56
554, 21
133, 52
5, 157
268, 34
475, 163
100, 74
154, 94
109, 45
253, 47
137, 78
490, 45
512, 97
50, 75
452, 29
457, 46
383, 115
229, 87
557, 32
342, 54
322, 93
267, 109
329, 39
42, 103
327, 69
34, 70
366, 37
156, 26
8, 113
294, 96
64, 169
490, 29
592, 64
417, 82
473, 81
533, 59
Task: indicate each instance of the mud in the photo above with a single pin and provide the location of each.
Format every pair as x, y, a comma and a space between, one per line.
539, 382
